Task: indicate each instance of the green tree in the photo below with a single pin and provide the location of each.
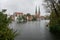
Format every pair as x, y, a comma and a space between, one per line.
5, 32
28, 14
24, 17
19, 19
4, 10
54, 8
47, 17
34, 18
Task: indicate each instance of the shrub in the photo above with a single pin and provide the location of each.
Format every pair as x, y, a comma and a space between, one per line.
5, 32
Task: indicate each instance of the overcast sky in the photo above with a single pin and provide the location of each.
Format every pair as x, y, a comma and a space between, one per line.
25, 6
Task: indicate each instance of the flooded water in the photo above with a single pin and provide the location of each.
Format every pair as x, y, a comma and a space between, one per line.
33, 30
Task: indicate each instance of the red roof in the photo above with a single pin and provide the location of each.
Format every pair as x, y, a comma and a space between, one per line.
18, 13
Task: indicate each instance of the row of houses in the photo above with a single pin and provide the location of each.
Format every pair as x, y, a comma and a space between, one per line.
17, 14
29, 18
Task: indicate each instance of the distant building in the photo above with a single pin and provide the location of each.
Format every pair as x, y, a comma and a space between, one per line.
12, 17
18, 14
37, 13
42, 17
29, 18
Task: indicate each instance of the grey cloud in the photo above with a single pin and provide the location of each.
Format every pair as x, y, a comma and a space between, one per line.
20, 5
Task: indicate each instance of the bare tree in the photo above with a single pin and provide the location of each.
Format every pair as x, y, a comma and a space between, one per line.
53, 5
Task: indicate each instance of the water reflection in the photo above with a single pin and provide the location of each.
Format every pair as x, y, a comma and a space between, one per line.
35, 30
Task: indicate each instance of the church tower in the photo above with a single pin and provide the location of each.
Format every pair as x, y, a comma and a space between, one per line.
36, 10
39, 11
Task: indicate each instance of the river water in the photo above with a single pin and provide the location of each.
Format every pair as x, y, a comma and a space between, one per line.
33, 30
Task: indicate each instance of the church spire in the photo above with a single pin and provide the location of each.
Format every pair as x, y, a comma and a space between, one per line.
36, 10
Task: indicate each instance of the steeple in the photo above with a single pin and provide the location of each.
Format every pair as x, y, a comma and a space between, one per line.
36, 10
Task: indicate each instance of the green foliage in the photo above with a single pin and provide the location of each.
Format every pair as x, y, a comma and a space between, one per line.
54, 24
55, 28
5, 32
10, 20
34, 18
22, 19
19, 19
47, 17
4, 10
28, 14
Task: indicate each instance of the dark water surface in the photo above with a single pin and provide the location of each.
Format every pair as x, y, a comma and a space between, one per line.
35, 30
